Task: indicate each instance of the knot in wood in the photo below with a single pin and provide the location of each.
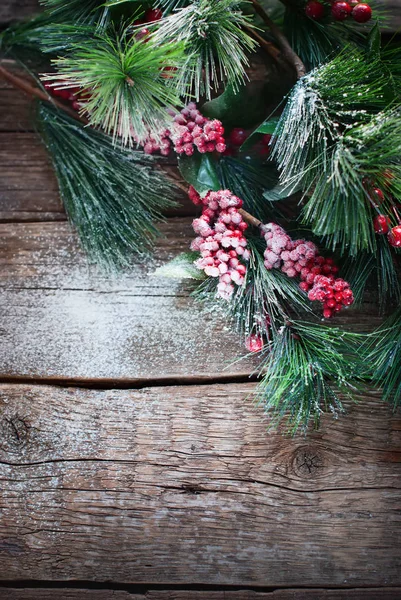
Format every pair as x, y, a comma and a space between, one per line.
308, 462
16, 429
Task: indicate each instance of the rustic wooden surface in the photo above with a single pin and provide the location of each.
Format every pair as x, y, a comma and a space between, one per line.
165, 483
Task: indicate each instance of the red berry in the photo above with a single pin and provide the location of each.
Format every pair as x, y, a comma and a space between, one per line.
377, 196
266, 138
327, 313
153, 14
394, 236
238, 136
381, 224
341, 10
254, 343
304, 286
362, 13
314, 10
330, 303
142, 33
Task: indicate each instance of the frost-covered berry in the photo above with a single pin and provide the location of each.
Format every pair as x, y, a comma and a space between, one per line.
300, 258
220, 241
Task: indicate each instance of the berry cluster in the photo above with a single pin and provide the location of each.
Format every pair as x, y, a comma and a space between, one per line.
190, 130
220, 240
340, 10
301, 258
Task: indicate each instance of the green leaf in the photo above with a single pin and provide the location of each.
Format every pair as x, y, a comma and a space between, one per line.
199, 171
181, 267
267, 127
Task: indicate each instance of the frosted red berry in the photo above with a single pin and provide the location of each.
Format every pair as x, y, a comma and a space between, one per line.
381, 224
394, 236
220, 240
314, 10
341, 10
254, 343
362, 13
237, 136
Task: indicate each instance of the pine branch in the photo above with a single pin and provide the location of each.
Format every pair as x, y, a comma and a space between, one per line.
112, 196
128, 93
215, 43
307, 369
382, 353
79, 12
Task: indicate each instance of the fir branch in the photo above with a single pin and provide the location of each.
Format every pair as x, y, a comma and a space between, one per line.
40, 34
382, 353
306, 370
375, 271
339, 207
112, 196
321, 106
79, 12
128, 93
215, 43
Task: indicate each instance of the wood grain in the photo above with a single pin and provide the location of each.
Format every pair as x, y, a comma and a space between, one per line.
62, 318
12, 10
185, 486
310, 594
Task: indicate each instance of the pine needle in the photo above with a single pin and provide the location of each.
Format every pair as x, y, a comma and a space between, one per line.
125, 77
216, 46
112, 196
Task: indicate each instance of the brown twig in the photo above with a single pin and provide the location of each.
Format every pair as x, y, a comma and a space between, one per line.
27, 88
288, 53
36, 92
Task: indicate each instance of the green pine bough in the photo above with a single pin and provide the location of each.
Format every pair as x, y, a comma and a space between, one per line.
296, 172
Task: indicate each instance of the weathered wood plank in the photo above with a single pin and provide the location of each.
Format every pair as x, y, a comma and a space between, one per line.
12, 10
185, 486
310, 594
61, 318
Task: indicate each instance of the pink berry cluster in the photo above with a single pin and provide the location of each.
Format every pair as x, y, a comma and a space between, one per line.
220, 240
190, 130
301, 258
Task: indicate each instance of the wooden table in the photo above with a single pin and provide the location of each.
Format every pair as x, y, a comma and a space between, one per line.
133, 464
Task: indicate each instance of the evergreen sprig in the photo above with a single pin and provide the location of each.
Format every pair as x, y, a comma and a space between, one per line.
382, 354
321, 106
307, 369
79, 12
112, 196
126, 80
215, 43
